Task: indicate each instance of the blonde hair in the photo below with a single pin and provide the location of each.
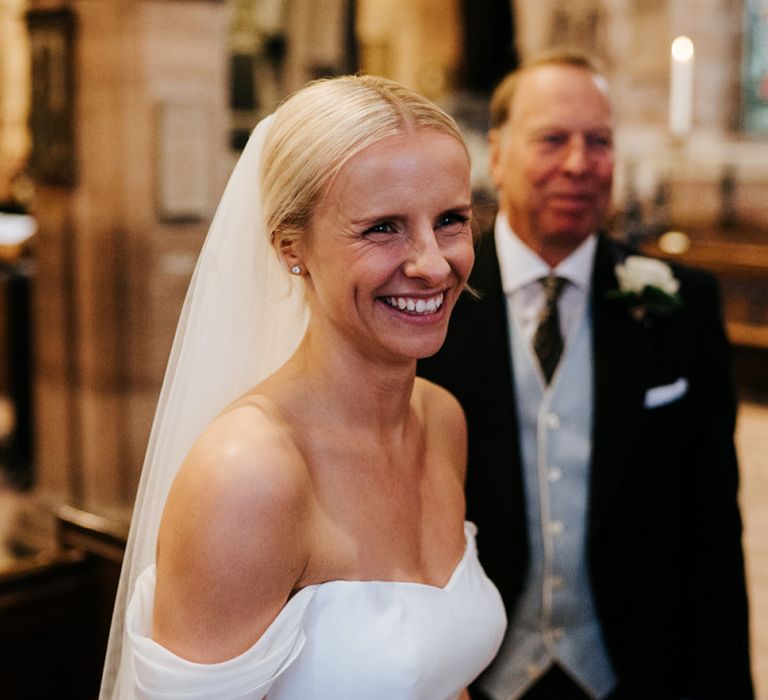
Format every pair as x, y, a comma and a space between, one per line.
322, 126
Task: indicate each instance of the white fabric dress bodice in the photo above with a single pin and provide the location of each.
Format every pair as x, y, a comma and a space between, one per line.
379, 640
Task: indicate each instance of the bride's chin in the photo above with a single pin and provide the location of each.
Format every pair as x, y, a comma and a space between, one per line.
428, 349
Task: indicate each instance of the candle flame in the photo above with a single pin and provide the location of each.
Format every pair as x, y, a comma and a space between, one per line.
682, 49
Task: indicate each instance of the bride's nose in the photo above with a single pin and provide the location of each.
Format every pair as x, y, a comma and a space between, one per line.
425, 259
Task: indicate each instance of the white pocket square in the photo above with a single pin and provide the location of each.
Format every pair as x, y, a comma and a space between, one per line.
666, 393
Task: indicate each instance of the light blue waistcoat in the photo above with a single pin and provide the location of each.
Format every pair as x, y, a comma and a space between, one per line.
555, 619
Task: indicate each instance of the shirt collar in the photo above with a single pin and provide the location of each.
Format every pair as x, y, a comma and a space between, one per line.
520, 265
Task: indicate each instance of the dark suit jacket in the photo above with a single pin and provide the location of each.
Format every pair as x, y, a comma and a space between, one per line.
664, 531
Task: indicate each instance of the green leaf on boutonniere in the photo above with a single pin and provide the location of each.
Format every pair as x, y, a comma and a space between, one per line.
660, 302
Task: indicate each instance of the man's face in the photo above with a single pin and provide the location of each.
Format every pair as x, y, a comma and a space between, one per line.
552, 162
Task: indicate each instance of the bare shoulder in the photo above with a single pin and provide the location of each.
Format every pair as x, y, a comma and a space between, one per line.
438, 403
443, 418
232, 542
246, 457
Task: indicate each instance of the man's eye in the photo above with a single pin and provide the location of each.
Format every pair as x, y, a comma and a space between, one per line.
553, 139
599, 141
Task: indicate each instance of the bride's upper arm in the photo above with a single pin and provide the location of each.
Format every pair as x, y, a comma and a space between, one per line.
232, 542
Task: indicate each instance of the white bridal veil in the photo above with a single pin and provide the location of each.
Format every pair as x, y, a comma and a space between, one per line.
242, 318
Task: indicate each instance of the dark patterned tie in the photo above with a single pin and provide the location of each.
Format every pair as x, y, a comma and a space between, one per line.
548, 342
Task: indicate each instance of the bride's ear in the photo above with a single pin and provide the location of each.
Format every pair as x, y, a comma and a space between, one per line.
291, 257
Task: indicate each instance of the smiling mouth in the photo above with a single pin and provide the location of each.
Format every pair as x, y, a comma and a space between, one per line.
573, 197
572, 203
419, 307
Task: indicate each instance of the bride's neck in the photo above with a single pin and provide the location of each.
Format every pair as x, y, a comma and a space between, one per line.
359, 388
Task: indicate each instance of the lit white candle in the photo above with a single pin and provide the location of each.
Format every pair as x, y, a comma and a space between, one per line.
681, 87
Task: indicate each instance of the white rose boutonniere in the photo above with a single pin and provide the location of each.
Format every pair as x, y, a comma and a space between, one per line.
647, 286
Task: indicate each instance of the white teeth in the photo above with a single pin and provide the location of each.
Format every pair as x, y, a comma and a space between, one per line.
418, 306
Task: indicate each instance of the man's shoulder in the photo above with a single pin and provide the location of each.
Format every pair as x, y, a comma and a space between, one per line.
692, 279
700, 309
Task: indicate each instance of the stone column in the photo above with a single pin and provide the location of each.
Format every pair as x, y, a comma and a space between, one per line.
118, 245
14, 92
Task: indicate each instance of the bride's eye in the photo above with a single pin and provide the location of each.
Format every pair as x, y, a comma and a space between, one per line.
453, 222
384, 227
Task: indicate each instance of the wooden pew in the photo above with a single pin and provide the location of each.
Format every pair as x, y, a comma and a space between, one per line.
55, 611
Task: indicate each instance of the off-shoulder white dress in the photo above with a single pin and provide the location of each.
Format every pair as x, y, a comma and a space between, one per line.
341, 640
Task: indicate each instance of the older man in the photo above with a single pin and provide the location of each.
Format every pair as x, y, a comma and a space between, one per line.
602, 472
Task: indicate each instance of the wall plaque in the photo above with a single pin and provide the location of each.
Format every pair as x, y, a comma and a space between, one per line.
183, 163
51, 122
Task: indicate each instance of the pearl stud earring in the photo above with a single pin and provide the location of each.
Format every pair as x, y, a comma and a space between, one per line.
296, 270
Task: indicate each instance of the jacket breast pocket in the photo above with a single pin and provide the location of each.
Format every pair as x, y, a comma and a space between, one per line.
665, 394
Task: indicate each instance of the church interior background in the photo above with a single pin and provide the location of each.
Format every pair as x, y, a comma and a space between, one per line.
119, 123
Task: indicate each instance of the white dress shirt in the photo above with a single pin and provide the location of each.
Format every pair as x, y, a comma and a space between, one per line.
521, 269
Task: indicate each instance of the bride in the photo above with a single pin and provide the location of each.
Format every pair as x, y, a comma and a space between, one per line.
312, 542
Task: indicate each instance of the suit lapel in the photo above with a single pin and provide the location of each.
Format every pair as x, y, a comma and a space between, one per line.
621, 350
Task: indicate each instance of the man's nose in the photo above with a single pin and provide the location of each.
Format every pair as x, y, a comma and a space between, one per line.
576, 157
